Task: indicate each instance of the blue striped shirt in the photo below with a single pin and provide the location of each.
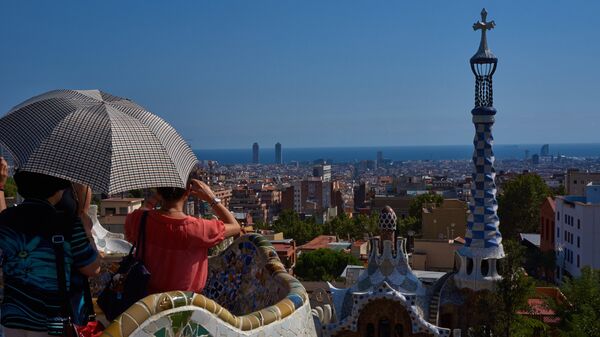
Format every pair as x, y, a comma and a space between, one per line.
31, 298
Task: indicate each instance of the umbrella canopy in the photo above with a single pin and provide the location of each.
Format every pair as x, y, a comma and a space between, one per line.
91, 137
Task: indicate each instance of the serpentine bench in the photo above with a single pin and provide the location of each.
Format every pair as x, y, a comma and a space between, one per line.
248, 293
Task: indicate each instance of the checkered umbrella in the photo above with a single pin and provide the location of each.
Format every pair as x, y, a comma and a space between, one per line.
91, 137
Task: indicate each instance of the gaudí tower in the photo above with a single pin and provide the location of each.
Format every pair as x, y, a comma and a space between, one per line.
483, 241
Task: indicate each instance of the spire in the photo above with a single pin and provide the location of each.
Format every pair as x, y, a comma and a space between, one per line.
483, 241
483, 54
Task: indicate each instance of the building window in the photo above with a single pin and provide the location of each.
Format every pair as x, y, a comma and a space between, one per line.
578, 224
399, 330
574, 182
385, 328
110, 211
557, 215
578, 242
558, 232
370, 330
577, 260
566, 237
123, 210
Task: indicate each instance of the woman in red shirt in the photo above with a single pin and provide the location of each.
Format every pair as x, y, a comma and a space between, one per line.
176, 244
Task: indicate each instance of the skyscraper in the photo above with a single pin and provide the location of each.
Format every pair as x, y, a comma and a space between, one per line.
483, 241
379, 162
278, 158
545, 150
255, 158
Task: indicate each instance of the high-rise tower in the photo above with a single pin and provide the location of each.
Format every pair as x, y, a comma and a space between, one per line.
483, 241
278, 158
255, 158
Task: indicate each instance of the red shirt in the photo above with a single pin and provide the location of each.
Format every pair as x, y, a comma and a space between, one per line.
176, 250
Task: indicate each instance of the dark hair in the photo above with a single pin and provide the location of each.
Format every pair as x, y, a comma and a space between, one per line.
32, 185
171, 194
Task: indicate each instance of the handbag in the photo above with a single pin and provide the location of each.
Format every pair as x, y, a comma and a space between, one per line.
129, 283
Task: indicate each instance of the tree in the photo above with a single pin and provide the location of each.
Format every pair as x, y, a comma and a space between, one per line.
136, 193
519, 204
293, 227
409, 223
560, 190
415, 211
323, 264
10, 188
353, 228
581, 314
415, 208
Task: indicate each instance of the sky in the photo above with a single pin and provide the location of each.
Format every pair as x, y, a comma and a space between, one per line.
315, 73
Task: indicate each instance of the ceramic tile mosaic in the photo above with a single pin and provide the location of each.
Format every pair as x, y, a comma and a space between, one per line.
238, 280
388, 276
385, 291
249, 265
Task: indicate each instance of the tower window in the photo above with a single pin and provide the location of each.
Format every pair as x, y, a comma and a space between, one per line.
485, 267
469, 265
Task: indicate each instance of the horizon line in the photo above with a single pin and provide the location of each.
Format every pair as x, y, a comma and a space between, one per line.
388, 146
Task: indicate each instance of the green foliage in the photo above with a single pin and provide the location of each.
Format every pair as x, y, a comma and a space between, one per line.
136, 193
581, 314
416, 204
10, 188
302, 231
409, 223
293, 227
519, 204
354, 228
261, 225
323, 264
560, 190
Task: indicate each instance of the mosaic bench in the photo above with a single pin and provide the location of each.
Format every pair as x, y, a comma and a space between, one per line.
248, 293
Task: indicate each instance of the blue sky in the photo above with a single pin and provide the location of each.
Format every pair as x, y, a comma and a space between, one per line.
315, 73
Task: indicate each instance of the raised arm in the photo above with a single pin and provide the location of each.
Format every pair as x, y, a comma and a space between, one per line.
84, 198
3, 178
203, 191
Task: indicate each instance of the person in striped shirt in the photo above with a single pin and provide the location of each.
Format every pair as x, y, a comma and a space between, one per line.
32, 304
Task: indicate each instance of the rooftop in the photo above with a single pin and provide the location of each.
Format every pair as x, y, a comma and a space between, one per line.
123, 199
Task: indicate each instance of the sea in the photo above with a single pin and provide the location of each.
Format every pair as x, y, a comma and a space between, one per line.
394, 153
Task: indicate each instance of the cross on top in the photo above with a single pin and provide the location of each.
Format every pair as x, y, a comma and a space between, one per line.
484, 25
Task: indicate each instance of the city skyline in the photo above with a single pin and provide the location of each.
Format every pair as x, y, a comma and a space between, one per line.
327, 76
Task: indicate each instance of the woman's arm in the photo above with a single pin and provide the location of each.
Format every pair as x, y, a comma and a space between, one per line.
3, 178
203, 191
84, 199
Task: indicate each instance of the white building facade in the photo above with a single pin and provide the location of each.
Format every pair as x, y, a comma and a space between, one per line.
578, 232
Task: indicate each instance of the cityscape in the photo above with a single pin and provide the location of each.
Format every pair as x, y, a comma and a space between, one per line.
161, 236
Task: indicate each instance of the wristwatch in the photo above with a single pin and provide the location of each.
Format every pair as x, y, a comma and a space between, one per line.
214, 201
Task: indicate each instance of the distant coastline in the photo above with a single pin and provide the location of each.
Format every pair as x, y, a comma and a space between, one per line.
395, 153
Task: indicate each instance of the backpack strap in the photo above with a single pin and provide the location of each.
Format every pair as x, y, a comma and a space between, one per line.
141, 240
66, 311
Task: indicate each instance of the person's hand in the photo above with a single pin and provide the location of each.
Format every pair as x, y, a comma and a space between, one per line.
3, 172
202, 191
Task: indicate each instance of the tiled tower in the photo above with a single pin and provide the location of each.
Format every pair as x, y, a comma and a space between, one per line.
483, 241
